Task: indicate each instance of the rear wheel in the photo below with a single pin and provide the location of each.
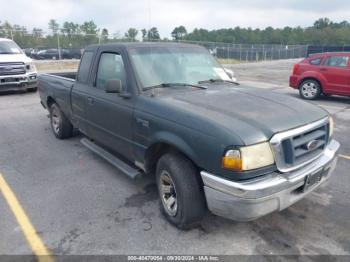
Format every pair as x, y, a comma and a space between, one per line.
181, 193
60, 125
310, 89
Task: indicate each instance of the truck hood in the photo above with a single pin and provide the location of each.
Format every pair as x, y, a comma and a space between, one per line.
4, 58
254, 115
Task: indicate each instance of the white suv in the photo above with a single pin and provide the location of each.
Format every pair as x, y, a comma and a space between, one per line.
17, 71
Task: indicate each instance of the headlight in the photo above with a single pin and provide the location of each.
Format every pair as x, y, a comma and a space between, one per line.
30, 67
248, 157
331, 126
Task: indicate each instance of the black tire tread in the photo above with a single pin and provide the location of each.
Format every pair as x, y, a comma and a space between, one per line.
66, 128
191, 200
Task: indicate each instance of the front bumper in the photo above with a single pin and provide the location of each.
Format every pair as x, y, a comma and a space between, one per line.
18, 82
248, 200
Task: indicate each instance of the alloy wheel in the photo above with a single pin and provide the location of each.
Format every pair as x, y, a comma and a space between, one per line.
168, 193
309, 89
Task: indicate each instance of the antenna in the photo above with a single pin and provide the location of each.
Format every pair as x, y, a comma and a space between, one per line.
148, 33
149, 18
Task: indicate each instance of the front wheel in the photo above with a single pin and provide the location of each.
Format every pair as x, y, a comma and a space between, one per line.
310, 89
60, 125
181, 193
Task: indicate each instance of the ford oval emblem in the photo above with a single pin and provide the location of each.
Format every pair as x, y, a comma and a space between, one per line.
312, 144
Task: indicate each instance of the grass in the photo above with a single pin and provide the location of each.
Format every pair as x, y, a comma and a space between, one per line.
225, 61
70, 65
46, 66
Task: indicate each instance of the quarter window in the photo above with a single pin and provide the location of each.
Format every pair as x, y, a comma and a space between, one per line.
110, 67
84, 67
316, 61
337, 61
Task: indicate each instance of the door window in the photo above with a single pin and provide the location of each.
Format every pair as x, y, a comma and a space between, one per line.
337, 61
111, 66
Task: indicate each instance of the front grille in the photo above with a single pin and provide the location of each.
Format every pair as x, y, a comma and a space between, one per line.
295, 148
302, 147
12, 69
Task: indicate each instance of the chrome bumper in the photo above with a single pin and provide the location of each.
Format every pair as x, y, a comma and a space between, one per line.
18, 82
248, 200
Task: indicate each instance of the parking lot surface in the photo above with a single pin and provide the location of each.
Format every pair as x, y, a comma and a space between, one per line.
80, 204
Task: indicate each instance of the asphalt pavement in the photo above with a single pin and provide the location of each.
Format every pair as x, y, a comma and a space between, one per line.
79, 204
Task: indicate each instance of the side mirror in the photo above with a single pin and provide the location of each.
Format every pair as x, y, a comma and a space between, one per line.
114, 86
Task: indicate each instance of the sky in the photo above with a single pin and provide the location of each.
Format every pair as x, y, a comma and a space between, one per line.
119, 15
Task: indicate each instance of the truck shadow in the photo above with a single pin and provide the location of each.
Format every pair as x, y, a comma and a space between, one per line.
4, 93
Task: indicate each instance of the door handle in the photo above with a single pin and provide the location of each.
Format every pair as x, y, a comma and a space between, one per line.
323, 69
90, 100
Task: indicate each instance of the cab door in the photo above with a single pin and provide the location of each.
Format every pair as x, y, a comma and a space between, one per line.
336, 71
80, 91
109, 115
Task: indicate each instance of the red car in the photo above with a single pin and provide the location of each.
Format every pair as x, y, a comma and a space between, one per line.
326, 73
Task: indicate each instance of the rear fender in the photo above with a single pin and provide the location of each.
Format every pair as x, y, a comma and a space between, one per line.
315, 76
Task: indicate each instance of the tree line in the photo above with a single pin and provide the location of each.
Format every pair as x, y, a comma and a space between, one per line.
322, 32
70, 34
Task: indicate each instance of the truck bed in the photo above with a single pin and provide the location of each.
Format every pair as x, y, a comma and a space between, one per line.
58, 86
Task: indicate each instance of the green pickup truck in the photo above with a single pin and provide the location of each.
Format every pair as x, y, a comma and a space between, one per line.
172, 110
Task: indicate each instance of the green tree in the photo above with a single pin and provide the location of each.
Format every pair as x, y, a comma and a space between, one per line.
37, 32
144, 34
53, 26
322, 23
104, 34
153, 34
89, 27
131, 34
179, 33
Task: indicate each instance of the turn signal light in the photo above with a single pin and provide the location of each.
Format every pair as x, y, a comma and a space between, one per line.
232, 160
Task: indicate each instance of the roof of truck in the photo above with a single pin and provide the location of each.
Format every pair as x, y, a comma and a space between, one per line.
145, 44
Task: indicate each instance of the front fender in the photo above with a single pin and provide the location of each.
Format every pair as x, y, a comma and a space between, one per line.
176, 142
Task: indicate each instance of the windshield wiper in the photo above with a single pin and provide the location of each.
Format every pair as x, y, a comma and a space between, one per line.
164, 85
217, 81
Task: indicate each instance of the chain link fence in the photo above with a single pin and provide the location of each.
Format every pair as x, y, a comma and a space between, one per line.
43, 46
253, 52
315, 49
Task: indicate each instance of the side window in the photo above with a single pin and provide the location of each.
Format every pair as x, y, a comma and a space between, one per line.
337, 61
316, 61
111, 66
84, 67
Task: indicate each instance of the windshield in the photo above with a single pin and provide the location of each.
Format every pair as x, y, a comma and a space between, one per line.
9, 47
190, 65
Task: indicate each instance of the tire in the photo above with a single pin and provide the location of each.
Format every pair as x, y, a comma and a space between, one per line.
61, 127
180, 190
310, 89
